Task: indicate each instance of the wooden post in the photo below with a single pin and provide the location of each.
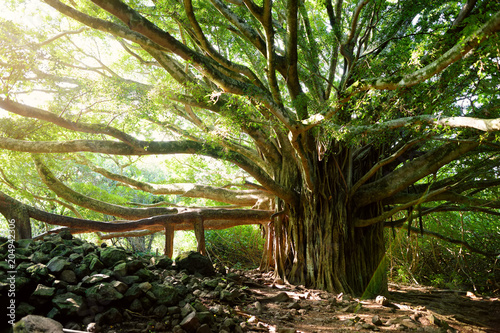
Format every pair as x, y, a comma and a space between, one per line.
199, 232
18, 216
267, 260
169, 240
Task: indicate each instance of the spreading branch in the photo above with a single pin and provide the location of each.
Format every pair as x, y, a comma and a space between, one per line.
383, 162
212, 219
454, 54
241, 197
207, 46
36, 113
457, 52
150, 148
480, 124
447, 239
359, 223
81, 200
408, 174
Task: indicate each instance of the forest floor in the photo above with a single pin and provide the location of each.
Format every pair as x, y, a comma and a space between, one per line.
406, 308
269, 305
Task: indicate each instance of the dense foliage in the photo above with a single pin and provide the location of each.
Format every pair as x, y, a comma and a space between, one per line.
433, 261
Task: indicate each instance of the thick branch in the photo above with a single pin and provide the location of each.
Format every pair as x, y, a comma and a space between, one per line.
359, 223
36, 113
207, 46
246, 30
81, 200
242, 198
103, 25
151, 148
449, 240
486, 125
137, 233
383, 162
312, 59
138, 23
466, 10
355, 18
102, 146
149, 36
256, 10
213, 218
454, 54
293, 81
409, 173
258, 135
271, 64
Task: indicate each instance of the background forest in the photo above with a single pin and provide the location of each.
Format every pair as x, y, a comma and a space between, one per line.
356, 133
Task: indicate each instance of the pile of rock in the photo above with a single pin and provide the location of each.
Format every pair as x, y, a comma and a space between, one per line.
86, 287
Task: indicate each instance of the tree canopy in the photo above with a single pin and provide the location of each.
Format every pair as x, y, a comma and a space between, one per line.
325, 121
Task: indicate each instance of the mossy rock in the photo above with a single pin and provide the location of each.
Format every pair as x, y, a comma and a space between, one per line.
110, 256
195, 262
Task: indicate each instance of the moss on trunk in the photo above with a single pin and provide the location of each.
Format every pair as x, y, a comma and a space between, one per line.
316, 243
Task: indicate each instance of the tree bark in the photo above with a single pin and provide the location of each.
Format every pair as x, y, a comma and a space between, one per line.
330, 253
18, 214
199, 232
169, 240
317, 244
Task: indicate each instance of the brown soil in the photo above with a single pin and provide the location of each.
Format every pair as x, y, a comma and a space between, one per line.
407, 308
275, 307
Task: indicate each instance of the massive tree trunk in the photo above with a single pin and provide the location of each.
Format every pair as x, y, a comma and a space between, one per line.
330, 253
316, 242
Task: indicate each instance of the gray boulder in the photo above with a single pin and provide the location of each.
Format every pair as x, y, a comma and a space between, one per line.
166, 295
57, 264
110, 256
68, 276
163, 262
112, 316
69, 304
190, 323
195, 262
37, 324
103, 293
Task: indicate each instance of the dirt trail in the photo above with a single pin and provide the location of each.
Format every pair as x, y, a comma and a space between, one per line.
419, 309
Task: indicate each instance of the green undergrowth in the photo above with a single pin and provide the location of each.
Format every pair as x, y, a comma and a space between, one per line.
238, 247
422, 260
